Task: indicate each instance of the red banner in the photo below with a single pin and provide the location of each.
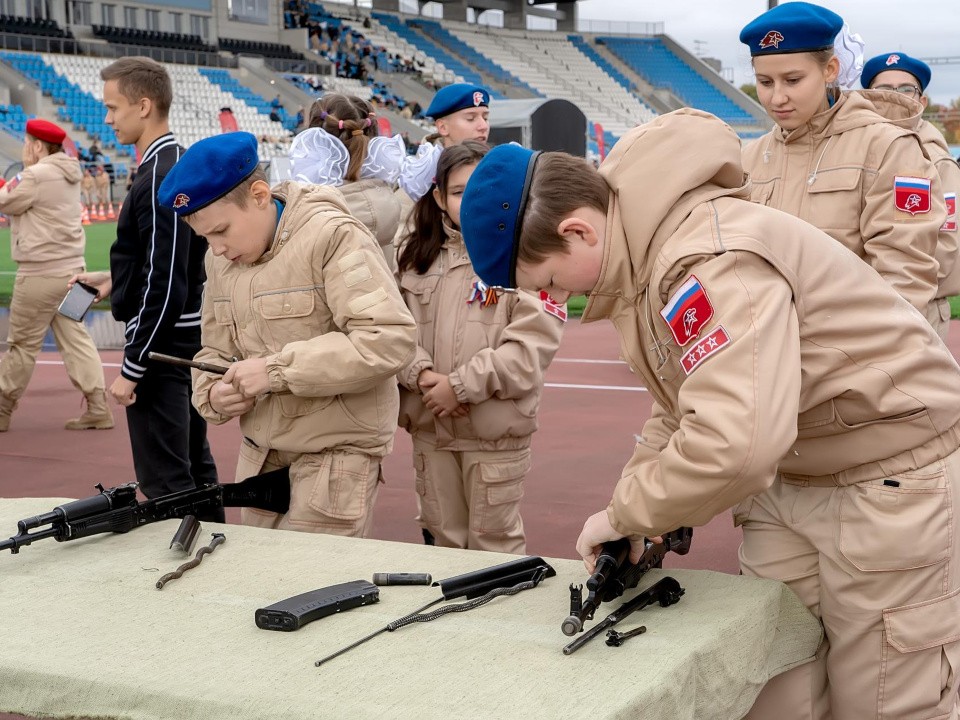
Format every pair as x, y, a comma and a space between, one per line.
228, 123
598, 134
384, 126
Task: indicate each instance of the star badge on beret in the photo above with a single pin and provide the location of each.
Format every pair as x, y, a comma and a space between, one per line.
478, 99
893, 60
180, 201
772, 39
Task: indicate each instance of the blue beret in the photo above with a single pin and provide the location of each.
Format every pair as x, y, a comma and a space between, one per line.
792, 27
895, 61
491, 212
208, 170
458, 96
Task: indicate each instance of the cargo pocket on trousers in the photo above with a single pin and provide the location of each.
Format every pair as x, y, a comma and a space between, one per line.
426, 492
334, 486
884, 528
496, 505
921, 655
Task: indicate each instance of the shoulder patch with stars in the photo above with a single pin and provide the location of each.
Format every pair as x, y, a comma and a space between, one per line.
552, 307
708, 346
687, 311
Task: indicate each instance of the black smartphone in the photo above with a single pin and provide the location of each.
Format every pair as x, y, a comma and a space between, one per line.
77, 301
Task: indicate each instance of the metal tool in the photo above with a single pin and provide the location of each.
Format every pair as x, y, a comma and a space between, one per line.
183, 362
616, 639
186, 535
218, 539
402, 579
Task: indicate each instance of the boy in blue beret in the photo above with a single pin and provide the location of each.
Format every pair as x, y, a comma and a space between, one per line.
831, 428
900, 73
301, 305
461, 111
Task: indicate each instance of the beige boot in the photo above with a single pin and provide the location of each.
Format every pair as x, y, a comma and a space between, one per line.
7, 406
97, 416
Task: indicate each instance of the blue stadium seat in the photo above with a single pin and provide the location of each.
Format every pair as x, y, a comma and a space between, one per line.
655, 62
407, 32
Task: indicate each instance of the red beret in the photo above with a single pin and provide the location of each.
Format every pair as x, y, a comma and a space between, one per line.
46, 131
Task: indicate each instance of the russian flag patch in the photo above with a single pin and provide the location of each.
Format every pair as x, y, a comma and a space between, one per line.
950, 224
687, 311
912, 194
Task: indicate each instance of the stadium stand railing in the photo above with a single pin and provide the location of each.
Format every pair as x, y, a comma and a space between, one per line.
151, 38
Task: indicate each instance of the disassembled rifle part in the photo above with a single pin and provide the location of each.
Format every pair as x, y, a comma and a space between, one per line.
295, 612
218, 539
616, 639
666, 592
614, 574
185, 538
384, 579
479, 587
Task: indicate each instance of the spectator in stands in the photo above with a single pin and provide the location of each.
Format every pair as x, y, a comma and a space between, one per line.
47, 243
898, 72
341, 148
460, 112
834, 159
156, 269
791, 383
470, 395
313, 372
276, 104
95, 154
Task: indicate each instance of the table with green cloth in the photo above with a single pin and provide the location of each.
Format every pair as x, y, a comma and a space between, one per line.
85, 632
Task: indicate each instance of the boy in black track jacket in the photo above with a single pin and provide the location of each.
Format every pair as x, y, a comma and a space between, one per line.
156, 266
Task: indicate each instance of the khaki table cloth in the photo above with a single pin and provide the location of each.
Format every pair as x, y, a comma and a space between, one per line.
85, 632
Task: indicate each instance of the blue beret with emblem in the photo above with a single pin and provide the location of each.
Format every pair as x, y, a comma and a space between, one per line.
790, 28
895, 61
491, 212
458, 96
208, 170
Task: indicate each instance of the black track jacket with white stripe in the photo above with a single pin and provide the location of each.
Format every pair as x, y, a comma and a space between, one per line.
156, 265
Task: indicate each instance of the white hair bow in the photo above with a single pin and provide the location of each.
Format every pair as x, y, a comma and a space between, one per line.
848, 47
320, 158
420, 171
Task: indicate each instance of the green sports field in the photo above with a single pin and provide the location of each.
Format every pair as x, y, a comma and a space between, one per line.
99, 239
101, 235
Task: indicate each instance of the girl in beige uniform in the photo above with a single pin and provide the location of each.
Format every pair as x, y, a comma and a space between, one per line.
833, 159
470, 395
898, 72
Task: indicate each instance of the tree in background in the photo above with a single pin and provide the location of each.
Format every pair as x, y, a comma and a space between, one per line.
750, 90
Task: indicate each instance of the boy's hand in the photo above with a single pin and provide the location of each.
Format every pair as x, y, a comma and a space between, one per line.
226, 400
597, 530
100, 280
441, 399
124, 391
249, 377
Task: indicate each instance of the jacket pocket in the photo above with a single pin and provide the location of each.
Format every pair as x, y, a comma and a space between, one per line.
283, 312
223, 315
762, 192
496, 503
834, 201
887, 527
921, 654
294, 406
336, 485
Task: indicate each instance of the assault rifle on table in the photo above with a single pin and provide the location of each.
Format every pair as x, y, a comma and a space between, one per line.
117, 509
614, 574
